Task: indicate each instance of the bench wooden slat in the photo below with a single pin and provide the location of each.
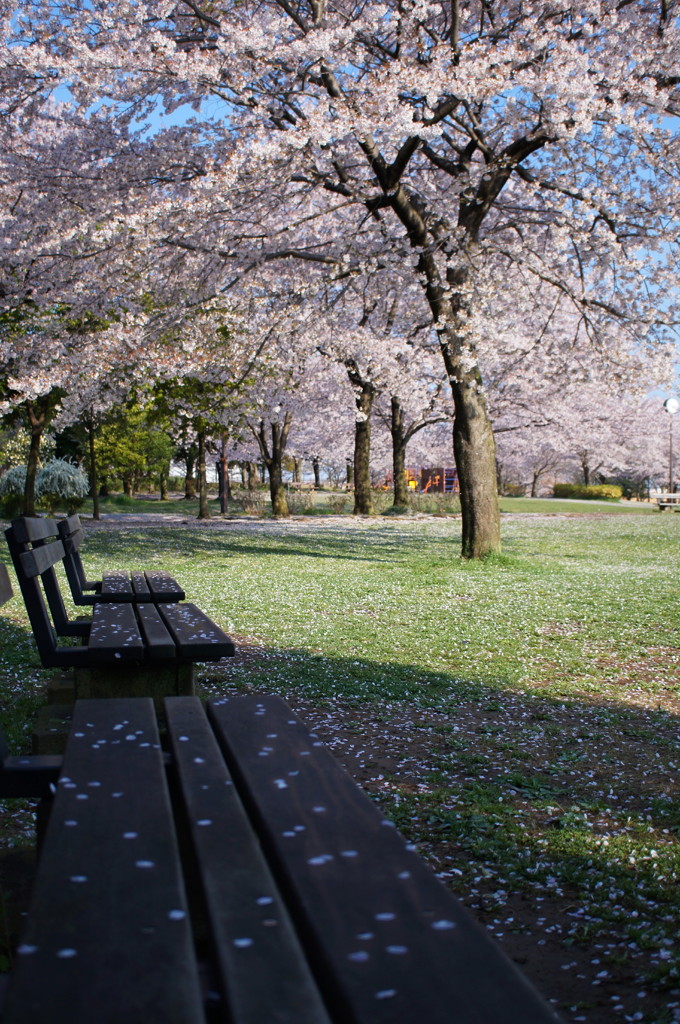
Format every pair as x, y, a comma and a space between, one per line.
197, 637
388, 941
163, 587
39, 560
33, 530
98, 945
160, 644
140, 587
263, 969
116, 586
115, 632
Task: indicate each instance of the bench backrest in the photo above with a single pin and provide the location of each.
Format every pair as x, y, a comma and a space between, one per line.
34, 553
71, 534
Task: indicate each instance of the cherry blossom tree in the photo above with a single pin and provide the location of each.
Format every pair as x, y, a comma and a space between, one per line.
54, 368
325, 424
453, 145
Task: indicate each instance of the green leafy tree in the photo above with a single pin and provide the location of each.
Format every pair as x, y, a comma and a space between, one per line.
133, 448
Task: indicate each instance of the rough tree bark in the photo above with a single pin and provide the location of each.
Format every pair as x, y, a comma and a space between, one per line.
446, 285
399, 441
203, 507
190, 476
364, 395
37, 413
273, 460
94, 482
223, 472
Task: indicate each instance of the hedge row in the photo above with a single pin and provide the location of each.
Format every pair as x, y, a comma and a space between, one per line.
601, 492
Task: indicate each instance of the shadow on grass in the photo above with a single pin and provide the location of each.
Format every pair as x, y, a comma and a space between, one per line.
127, 543
534, 747
514, 795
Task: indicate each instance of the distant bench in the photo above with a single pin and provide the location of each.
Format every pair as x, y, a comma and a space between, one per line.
665, 501
150, 586
127, 648
251, 882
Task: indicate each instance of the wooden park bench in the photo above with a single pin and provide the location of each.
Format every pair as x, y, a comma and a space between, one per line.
150, 586
143, 649
665, 501
250, 882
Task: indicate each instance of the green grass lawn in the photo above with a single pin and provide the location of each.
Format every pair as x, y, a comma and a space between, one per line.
517, 718
321, 502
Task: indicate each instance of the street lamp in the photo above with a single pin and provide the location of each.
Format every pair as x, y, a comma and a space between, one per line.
671, 405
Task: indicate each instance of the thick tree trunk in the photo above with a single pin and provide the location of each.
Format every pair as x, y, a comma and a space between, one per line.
316, 466
349, 468
448, 296
276, 490
223, 471
163, 484
37, 419
297, 471
398, 433
534, 484
475, 454
203, 507
252, 475
190, 478
273, 459
363, 497
474, 446
127, 485
94, 483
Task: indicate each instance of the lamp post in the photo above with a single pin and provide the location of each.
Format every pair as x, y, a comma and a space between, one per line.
671, 405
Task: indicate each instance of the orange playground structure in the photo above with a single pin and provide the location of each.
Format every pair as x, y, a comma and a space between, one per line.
438, 480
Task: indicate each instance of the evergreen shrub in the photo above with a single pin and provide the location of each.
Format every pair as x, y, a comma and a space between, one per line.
12, 487
60, 484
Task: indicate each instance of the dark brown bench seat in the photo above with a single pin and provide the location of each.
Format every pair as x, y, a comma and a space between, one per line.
249, 882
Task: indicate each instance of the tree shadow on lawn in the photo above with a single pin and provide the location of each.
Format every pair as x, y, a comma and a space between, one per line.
555, 820
173, 542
